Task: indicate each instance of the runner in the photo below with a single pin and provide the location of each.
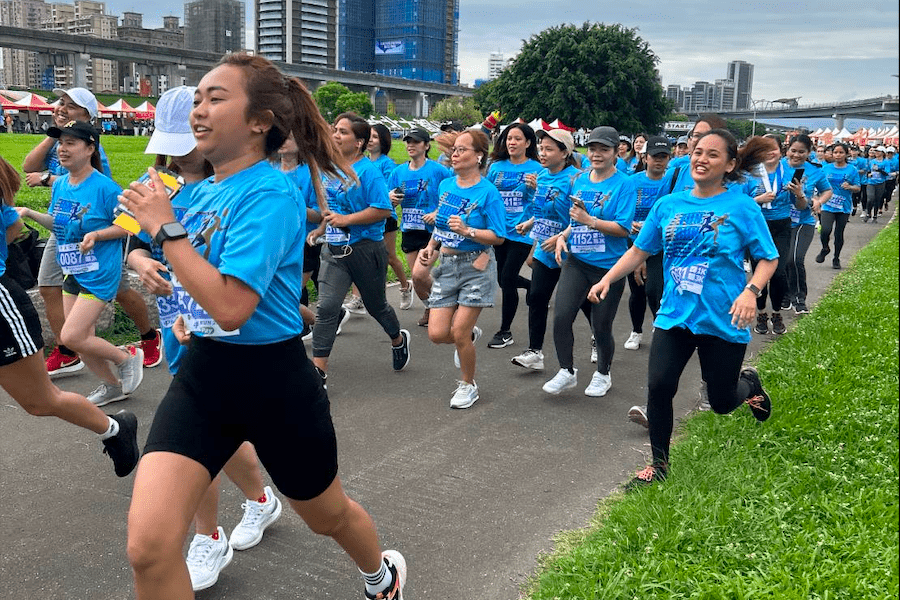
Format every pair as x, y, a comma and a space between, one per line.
706, 230
23, 374
470, 219
834, 211
876, 175
245, 286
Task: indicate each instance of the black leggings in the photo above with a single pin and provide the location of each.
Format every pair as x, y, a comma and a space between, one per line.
836, 221
801, 239
777, 286
720, 368
543, 282
511, 256
649, 294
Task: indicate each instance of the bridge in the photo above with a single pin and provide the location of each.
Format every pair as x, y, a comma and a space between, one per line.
880, 108
77, 50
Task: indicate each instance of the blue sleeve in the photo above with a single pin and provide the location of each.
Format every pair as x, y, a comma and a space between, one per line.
495, 211
8, 216
376, 189
757, 237
624, 212
104, 161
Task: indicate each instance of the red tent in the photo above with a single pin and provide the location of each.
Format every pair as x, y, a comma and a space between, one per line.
9, 105
557, 124
33, 102
117, 107
145, 111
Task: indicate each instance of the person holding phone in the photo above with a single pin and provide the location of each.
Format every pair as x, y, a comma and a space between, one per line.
834, 211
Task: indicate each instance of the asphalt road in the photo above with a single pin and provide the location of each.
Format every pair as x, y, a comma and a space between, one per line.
471, 497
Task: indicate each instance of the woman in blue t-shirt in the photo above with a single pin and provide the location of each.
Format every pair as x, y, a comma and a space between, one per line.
703, 234
877, 172
834, 211
238, 255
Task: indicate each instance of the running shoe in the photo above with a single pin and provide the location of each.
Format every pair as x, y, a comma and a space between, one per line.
561, 381
593, 350
396, 564
343, 317
638, 414
258, 514
306, 334
105, 394
122, 448
401, 352
864, 218
646, 476
634, 341
599, 385
323, 376
501, 339
759, 401
206, 558
762, 323
407, 298
853, 212
60, 364
703, 402
465, 395
131, 372
152, 353
786, 303
800, 308
355, 305
820, 257
836, 264
476, 335
778, 327
530, 359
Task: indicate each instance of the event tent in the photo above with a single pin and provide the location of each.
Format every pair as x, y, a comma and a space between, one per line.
117, 107
145, 110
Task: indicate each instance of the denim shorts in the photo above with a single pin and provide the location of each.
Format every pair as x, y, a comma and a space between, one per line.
458, 283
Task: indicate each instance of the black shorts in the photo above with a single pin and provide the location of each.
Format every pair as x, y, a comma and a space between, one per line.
20, 326
414, 240
270, 395
311, 257
390, 224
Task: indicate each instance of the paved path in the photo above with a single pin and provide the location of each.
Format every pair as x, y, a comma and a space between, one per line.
471, 497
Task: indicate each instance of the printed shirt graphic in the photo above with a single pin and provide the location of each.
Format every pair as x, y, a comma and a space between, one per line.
509, 179
842, 200
77, 210
420, 192
609, 200
251, 226
814, 183
551, 210
480, 206
346, 197
646, 192
703, 241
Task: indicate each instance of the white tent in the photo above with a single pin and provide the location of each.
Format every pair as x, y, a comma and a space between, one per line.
842, 134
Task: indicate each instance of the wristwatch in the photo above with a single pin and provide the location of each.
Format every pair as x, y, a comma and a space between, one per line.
754, 289
170, 231
45, 179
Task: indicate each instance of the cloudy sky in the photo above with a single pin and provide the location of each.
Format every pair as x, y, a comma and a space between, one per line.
828, 50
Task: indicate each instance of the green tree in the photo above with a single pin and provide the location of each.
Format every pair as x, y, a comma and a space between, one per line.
588, 75
357, 102
742, 129
456, 108
326, 98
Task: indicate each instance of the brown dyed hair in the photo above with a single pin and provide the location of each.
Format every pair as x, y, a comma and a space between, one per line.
480, 143
751, 154
10, 182
360, 127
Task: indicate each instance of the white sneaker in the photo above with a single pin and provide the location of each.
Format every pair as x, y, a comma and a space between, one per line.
131, 372
407, 298
397, 565
599, 385
476, 335
465, 395
634, 341
593, 350
703, 403
530, 359
105, 394
257, 516
355, 305
342, 320
206, 558
638, 414
561, 381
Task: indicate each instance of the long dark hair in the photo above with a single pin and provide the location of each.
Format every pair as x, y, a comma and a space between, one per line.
360, 127
384, 137
10, 182
501, 153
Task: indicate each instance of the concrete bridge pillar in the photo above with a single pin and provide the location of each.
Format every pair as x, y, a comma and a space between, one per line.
838, 121
80, 64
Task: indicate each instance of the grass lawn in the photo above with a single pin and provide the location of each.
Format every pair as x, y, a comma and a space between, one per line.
802, 506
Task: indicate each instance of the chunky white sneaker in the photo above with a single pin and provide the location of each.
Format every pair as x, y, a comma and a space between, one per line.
355, 305
638, 414
593, 350
476, 335
465, 395
257, 516
599, 385
561, 381
407, 298
530, 359
206, 558
105, 394
634, 341
396, 564
131, 372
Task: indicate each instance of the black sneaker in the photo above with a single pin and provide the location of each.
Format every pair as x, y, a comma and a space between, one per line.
501, 339
324, 376
800, 308
786, 304
646, 476
401, 352
759, 402
762, 323
820, 257
836, 264
122, 448
778, 327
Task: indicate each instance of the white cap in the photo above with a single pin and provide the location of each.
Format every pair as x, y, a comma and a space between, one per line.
172, 135
881, 149
82, 97
891, 149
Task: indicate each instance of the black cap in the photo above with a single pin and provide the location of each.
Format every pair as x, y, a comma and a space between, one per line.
77, 129
658, 144
418, 135
607, 136
452, 126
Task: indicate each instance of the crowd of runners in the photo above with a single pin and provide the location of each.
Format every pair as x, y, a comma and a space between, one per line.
269, 200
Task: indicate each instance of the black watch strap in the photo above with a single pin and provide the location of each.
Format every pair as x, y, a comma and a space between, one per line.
170, 231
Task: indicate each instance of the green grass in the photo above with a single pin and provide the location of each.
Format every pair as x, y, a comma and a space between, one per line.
802, 506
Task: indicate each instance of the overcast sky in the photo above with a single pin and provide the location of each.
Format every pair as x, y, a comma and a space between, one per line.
829, 50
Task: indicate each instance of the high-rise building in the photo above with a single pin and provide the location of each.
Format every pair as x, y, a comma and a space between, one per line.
723, 94
496, 64
741, 73
162, 77
416, 39
297, 31
20, 67
85, 17
214, 26
356, 35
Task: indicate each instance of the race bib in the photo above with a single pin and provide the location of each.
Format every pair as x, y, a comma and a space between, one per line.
73, 262
448, 238
412, 219
336, 236
168, 309
544, 229
196, 319
514, 201
836, 202
795, 215
690, 278
585, 240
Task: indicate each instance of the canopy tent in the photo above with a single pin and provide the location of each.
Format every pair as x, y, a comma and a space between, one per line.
34, 103
145, 110
8, 105
539, 124
117, 107
842, 134
557, 124
892, 137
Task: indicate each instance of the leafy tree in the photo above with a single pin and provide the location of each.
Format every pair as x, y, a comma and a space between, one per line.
357, 102
743, 129
326, 98
588, 75
456, 109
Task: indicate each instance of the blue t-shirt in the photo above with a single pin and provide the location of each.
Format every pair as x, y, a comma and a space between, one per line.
480, 206
678, 176
420, 192
509, 179
51, 162
703, 242
627, 166
877, 172
80, 209
842, 200
814, 183
8, 216
646, 192
303, 180
781, 206
346, 197
385, 164
551, 210
609, 200
251, 226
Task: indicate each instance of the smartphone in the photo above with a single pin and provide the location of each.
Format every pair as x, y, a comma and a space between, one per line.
798, 176
576, 201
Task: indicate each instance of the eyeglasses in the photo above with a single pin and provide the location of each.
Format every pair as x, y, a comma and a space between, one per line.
459, 150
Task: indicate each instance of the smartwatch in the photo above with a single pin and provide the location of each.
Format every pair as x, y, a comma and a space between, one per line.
170, 231
45, 179
754, 289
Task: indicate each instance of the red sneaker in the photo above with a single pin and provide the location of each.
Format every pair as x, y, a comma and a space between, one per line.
151, 348
59, 364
